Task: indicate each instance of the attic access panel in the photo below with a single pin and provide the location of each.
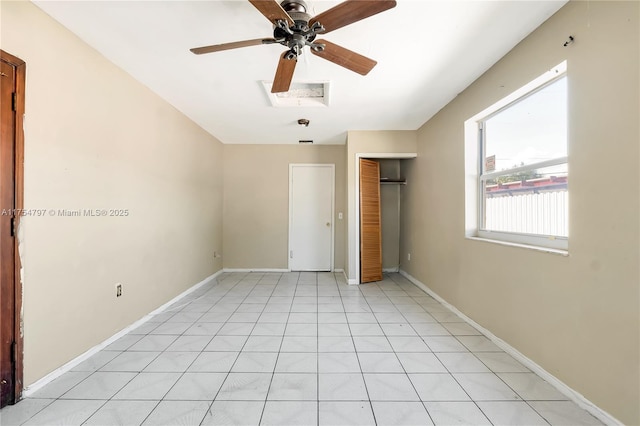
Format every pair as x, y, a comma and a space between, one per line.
300, 94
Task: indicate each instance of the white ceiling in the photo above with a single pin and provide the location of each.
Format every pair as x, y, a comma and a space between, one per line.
427, 53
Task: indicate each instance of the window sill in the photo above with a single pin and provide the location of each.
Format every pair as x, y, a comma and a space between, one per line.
524, 246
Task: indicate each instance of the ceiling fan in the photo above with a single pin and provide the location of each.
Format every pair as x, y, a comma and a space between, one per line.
294, 28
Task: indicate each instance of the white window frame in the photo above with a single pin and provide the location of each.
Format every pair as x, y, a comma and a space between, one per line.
474, 178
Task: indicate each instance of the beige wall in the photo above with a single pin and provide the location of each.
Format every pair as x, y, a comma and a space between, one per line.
380, 143
97, 139
576, 316
256, 202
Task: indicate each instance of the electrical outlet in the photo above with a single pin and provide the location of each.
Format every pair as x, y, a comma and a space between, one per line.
118, 290
409, 257
340, 216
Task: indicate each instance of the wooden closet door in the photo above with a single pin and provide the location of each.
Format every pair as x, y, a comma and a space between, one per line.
370, 224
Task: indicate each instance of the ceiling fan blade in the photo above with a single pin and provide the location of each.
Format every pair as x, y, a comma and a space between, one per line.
350, 11
284, 74
272, 10
234, 45
345, 57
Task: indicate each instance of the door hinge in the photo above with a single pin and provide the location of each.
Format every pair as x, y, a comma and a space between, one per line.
14, 348
14, 101
13, 226
291, 254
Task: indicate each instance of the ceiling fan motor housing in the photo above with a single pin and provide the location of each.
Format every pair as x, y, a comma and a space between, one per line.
299, 34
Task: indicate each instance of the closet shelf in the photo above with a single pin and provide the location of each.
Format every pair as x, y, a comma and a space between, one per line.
393, 181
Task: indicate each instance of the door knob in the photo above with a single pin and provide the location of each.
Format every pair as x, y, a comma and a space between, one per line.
328, 224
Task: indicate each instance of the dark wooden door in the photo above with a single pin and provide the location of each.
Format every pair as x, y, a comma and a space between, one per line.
11, 109
370, 223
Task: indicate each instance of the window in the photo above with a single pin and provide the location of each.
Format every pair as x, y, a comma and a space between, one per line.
521, 193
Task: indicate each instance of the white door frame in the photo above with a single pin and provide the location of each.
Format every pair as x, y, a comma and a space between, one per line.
333, 213
355, 233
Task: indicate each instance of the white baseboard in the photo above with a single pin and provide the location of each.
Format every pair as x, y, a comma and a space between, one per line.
391, 270
254, 270
576, 397
37, 385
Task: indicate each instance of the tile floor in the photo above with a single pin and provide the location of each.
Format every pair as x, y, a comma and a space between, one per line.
300, 349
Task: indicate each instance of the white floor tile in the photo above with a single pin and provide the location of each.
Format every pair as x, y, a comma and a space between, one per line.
379, 362
290, 413
122, 413
479, 344
398, 329
430, 329
462, 362
563, 413
184, 413
510, 413
310, 330
372, 344
234, 413
96, 361
297, 362
100, 385
196, 387
326, 330
151, 343
299, 344
335, 344
189, 344
400, 413
130, 361
255, 362
438, 387
366, 330
245, 387
345, 413
236, 329
65, 413
268, 329
444, 344
531, 387
390, 387
417, 362
338, 363
500, 362
213, 362
171, 362
61, 385
226, 343
456, 413
204, 329
342, 387
14, 415
293, 387
408, 344
460, 329
152, 386
262, 344
485, 387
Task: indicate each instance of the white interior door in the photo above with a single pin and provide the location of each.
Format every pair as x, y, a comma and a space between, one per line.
311, 188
